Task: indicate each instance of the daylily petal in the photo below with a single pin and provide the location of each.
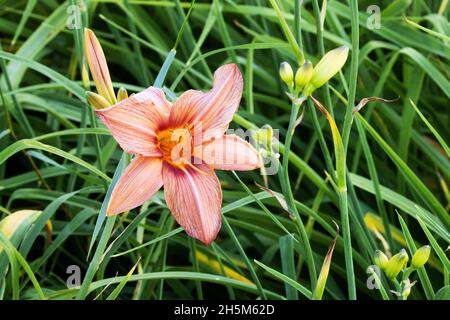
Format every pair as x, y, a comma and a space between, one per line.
215, 108
229, 152
140, 181
98, 66
133, 121
186, 108
195, 199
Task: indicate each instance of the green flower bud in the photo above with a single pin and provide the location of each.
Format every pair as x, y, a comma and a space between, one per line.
122, 94
421, 257
328, 66
265, 134
304, 74
396, 264
264, 137
380, 259
85, 76
287, 74
96, 100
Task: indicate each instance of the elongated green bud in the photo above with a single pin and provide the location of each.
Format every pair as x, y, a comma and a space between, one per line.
85, 76
328, 66
304, 74
396, 264
421, 257
122, 94
96, 100
380, 259
287, 74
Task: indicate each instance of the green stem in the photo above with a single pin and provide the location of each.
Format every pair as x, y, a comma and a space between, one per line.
321, 46
345, 224
288, 34
348, 119
297, 22
353, 72
287, 190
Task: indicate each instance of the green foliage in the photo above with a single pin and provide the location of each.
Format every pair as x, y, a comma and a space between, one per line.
389, 159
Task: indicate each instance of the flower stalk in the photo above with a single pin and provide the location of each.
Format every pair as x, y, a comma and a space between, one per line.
301, 86
287, 190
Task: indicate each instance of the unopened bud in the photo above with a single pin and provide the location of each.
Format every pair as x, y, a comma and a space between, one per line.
264, 137
421, 257
380, 259
96, 100
265, 134
122, 94
328, 66
396, 264
85, 76
287, 74
98, 66
304, 74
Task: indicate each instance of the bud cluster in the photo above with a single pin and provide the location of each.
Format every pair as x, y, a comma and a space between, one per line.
399, 263
308, 78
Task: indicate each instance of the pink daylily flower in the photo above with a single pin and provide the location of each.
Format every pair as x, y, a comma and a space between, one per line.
179, 145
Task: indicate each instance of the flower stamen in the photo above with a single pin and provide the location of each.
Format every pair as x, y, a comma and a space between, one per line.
175, 146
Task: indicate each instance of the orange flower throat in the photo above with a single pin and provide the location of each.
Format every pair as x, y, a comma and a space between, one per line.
175, 146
